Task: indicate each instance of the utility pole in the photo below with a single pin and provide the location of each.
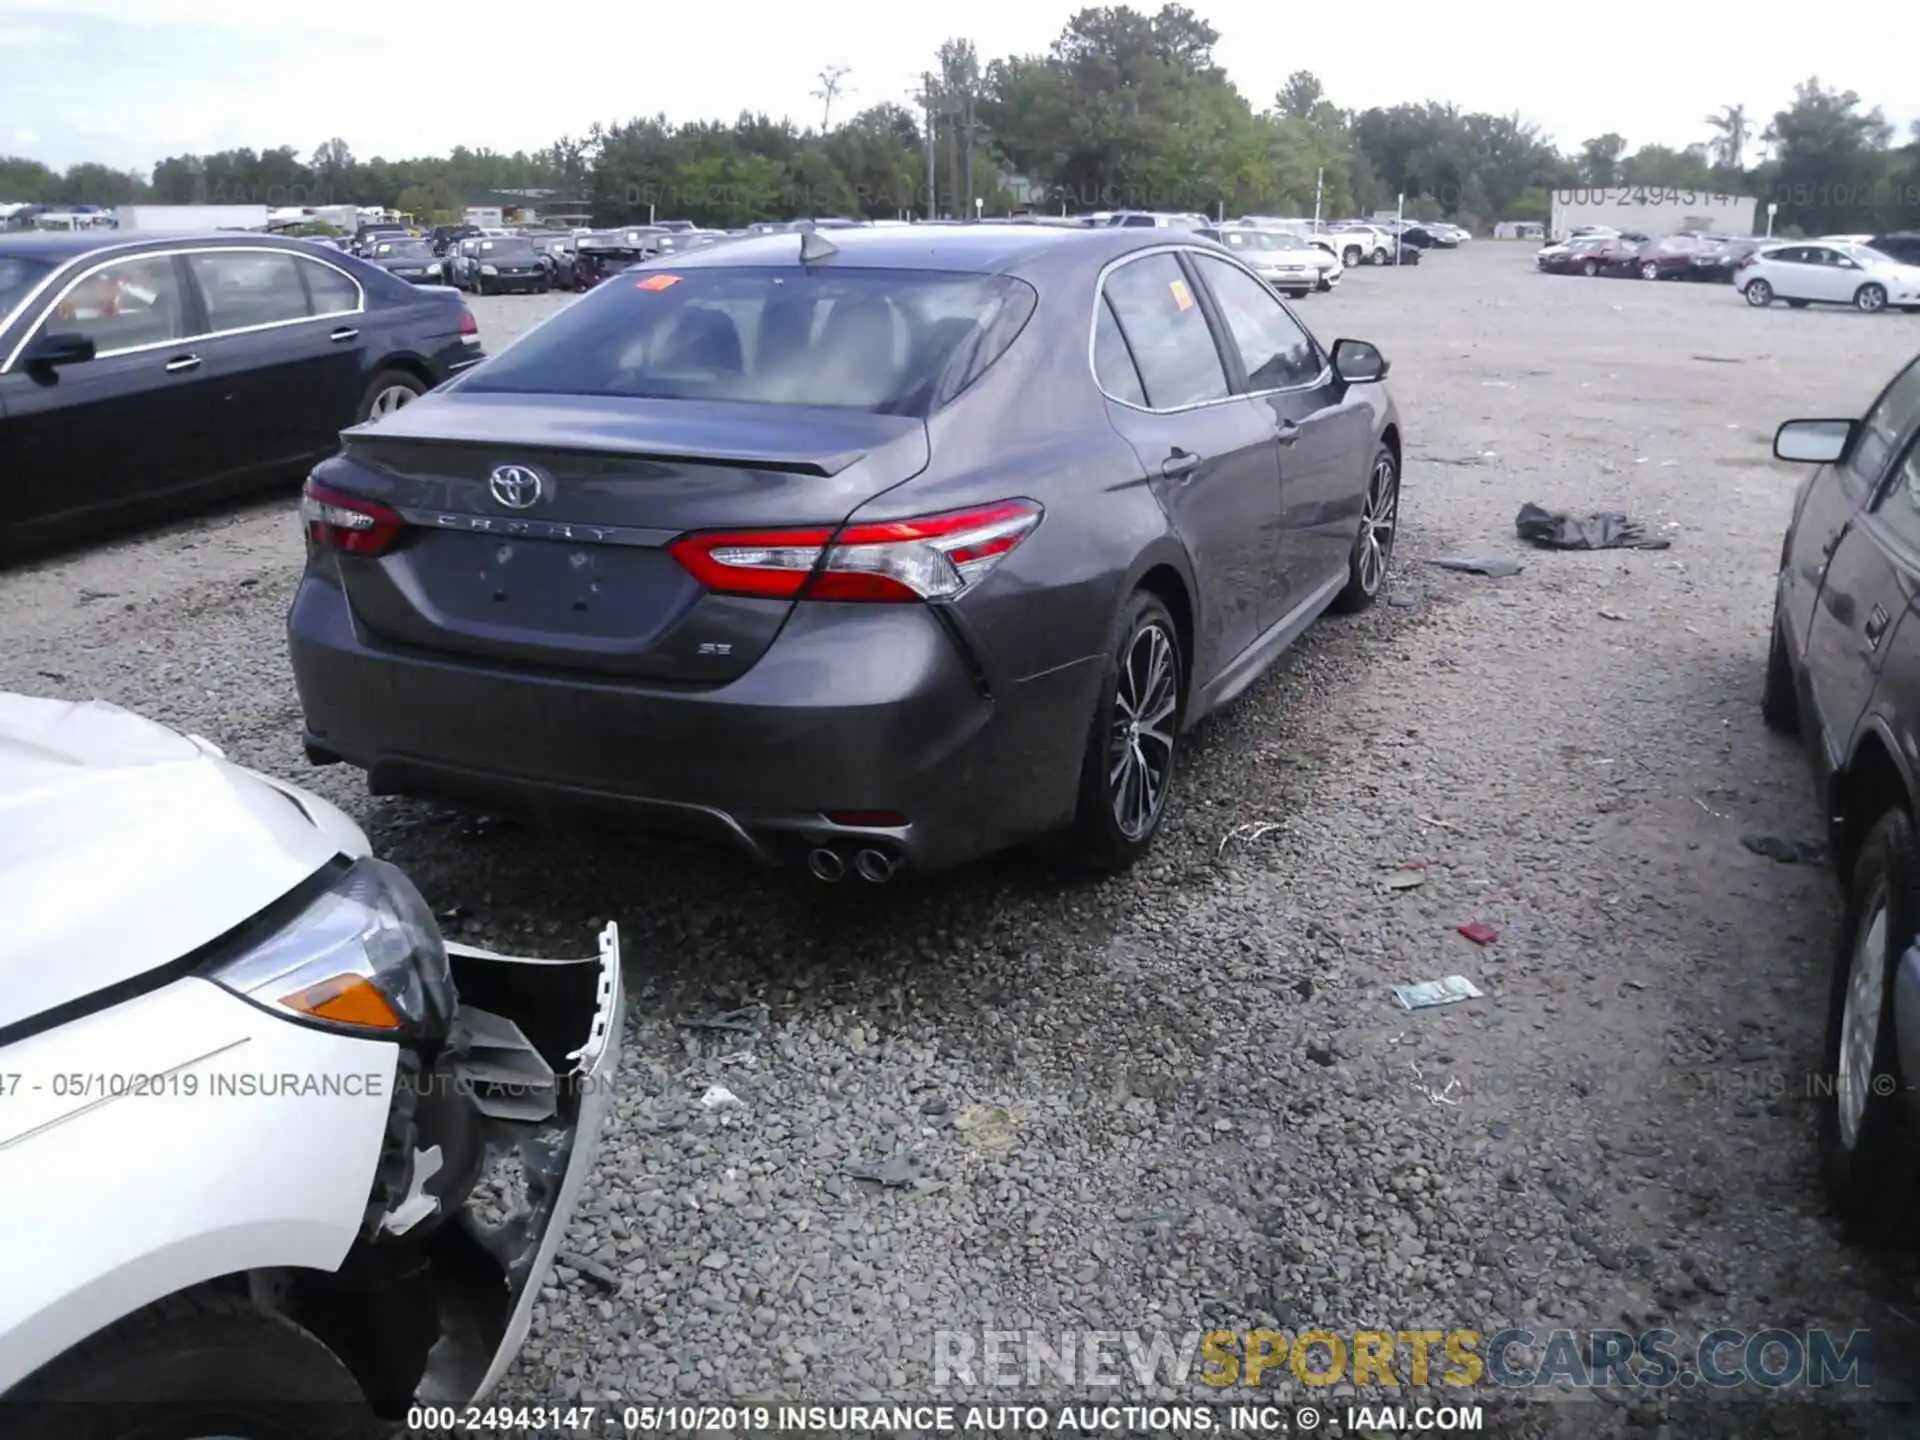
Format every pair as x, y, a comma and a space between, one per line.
971, 207
926, 97
952, 112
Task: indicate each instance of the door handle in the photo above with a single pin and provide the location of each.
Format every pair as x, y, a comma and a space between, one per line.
1875, 627
1287, 433
344, 333
1180, 465
181, 363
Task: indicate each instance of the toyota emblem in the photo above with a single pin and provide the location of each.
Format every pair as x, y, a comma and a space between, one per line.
516, 486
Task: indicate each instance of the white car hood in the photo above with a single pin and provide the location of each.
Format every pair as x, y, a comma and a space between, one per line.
125, 846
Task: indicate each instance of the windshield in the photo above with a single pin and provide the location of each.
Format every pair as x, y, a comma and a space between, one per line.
881, 341
18, 275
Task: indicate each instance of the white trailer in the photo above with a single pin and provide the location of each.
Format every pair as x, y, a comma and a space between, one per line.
1651, 210
193, 217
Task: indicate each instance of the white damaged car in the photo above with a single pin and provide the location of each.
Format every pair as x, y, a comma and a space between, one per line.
276, 1159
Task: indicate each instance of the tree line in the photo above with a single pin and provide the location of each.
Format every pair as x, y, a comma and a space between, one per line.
1127, 109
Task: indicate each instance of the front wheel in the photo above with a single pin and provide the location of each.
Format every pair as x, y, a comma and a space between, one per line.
1127, 772
1373, 546
1866, 1137
1870, 298
1759, 294
196, 1364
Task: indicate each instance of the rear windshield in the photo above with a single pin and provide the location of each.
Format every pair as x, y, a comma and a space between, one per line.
505, 247
891, 342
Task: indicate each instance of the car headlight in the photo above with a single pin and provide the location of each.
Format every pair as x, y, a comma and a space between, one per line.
366, 957
489, 269
434, 269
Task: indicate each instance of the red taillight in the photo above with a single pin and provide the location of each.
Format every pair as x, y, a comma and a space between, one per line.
347, 523
935, 557
468, 325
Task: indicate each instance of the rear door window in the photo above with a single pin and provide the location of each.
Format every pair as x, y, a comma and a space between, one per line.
331, 292
1168, 333
243, 289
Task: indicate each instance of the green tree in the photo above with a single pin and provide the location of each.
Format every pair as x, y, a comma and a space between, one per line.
1600, 159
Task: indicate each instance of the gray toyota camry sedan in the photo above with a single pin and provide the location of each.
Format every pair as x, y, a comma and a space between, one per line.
862, 551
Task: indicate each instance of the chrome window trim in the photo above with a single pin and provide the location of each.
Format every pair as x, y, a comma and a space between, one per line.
1227, 257
101, 262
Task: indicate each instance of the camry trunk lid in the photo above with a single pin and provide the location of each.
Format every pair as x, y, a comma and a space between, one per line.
537, 525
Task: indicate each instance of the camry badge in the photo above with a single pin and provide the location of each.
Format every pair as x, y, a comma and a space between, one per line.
516, 486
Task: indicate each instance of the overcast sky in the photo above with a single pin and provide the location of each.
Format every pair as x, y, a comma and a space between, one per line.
129, 81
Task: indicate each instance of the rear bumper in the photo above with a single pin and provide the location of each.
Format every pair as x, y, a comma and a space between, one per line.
854, 708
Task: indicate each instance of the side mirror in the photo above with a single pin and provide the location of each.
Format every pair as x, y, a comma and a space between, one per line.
1358, 363
1813, 442
57, 348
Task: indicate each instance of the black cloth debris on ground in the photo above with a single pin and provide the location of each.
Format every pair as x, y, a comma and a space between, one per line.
1787, 852
1603, 530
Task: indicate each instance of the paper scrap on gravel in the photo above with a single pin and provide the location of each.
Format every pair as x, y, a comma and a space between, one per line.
1429, 993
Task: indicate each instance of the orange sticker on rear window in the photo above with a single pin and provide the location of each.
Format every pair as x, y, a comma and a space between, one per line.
1182, 296
658, 282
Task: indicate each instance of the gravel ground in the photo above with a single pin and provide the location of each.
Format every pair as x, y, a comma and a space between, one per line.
1186, 1098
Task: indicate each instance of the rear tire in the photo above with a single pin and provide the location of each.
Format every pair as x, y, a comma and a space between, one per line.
390, 390
1351, 256
1590, 269
1117, 818
202, 1363
1372, 553
1779, 701
1759, 294
1867, 1147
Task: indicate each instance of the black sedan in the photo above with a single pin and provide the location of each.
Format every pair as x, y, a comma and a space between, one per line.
597, 257
890, 548
1843, 673
407, 260
504, 264
1717, 259
138, 374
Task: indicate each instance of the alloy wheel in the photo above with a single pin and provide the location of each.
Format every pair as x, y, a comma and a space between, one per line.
390, 400
1759, 293
1871, 299
1378, 522
1146, 694
1649, 271
1860, 1021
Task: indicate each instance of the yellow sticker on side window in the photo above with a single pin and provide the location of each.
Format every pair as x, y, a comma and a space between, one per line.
1182, 296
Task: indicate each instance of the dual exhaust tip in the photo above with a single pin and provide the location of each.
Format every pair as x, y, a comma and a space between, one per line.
876, 867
